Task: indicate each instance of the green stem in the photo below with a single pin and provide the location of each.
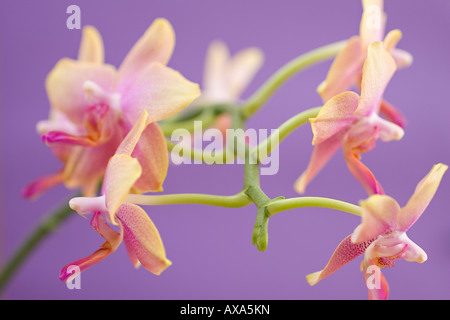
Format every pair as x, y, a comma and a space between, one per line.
262, 150
46, 226
300, 202
235, 201
278, 78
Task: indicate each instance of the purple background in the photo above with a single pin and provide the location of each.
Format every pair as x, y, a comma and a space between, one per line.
210, 248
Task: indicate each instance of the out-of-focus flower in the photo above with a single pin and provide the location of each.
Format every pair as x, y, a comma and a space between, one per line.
352, 121
381, 236
346, 70
93, 106
142, 239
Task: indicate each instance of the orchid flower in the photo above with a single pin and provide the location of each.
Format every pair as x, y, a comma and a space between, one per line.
346, 70
142, 240
381, 236
352, 121
93, 106
226, 77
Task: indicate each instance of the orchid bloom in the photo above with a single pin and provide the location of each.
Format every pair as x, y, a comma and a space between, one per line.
142, 240
352, 121
381, 236
346, 70
226, 77
93, 106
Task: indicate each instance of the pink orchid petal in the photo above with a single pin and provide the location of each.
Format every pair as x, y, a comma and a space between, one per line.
215, 87
334, 116
378, 69
359, 139
113, 240
86, 165
422, 196
142, 239
91, 47
380, 293
243, 68
151, 152
344, 253
392, 114
155, 45
36, 188
134, 134
159, 90
322, 153
373, 23
121, 174
379, 215
402, 58
344, 71
65, 86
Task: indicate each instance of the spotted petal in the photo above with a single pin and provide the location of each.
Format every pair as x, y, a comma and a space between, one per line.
142, 239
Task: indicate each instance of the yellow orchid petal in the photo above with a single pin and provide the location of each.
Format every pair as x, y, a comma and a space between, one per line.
379, 215
214, 79
158, 89
344, 72
391, 39
422, 196
334, 116
91, 47
151, 152
378, 70
121, 174
155, 45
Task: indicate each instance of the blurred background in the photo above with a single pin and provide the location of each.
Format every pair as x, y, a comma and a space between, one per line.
210, 247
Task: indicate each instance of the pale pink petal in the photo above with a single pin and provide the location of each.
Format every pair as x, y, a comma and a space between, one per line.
243, 67
215, 86
392, 114
422, 196
151, 152
158, 89
322, 153
387, 130
113, 240
156, 45
373, 23
65, 86
91, 47
142, 239
379, 215
344, 72
379, 68
134, 134
121, 174
402, 58
344, 253
334, 116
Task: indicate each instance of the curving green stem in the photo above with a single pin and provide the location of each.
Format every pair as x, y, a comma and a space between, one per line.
284, 73
262, 150
235, 201
300, 202
45, 228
